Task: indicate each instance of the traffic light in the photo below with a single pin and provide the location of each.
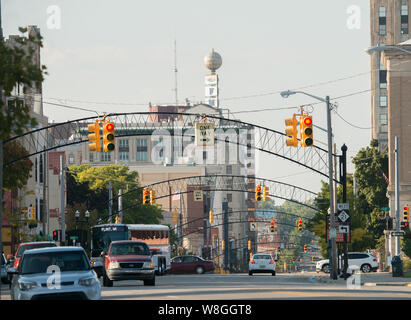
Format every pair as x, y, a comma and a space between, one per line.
117, 220
258, 194
108, 136
300, 224
222, 245
55, 235
306, 131
312, 259
146, 196
152, 197
293, 259
94, 137
249, 244
272, 226
406, 213
291, 131
33, 212
404, 225
279, 250
175, 216
265, 193
211, 217
305, 248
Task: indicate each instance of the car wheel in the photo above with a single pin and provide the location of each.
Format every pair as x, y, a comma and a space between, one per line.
326, 268
366, 268
250, 273
107, 282
199, 270
151, 282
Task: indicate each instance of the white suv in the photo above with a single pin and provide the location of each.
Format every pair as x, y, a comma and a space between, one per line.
365, 261
261, 263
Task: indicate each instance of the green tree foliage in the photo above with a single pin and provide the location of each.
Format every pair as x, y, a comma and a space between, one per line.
17, 67
406, 243
89, 185
17, 174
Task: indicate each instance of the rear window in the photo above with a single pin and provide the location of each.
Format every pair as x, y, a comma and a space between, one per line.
66, 261
22, 249
262, 257
123, 249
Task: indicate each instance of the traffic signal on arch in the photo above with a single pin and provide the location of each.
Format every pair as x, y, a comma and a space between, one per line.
94, 137
300, 224
152, 197
265, 193
258, 193
175, 216
272, 226
117, 220
108, 136
404, 225
291, 131
211, 217
279, 250
249, 245
306, 131
305, 248
146, 196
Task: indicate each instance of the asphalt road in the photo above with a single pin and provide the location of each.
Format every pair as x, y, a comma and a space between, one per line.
243, 287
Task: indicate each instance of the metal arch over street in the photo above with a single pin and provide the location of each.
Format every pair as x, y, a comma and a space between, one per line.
142, 123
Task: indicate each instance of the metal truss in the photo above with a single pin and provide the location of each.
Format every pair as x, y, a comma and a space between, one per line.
265, 140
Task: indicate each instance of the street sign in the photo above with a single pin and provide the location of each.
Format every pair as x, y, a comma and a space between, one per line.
198, 195
73, 237
344, 229
343, 206
253, 226
204, 134
400, 233
339, 236
343, 216
385, 209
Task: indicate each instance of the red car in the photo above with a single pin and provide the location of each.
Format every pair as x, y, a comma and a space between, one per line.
30, 245
128, 260
191, 264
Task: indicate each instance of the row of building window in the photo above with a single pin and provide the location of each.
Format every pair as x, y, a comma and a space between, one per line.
382, 19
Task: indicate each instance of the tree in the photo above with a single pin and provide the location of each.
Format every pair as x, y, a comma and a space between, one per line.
17, 67
18, 173
89, 185
406, 244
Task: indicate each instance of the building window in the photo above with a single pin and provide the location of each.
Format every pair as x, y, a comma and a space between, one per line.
123, 144
383, 119
105, 157
123, 156
229, 197
142, 154
383, 79
91, 157
404, 19
71, 159
229, 170
382, 21
383, 101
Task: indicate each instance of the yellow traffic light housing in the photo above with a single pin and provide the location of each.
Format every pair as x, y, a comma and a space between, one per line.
306, 131
249, 244
146, 196
406, 213
108, 136
222, 245
211, 217
305, 248
258, 193
94, 137
272, 226
175, 216
152, 197
291, 131
117, 220
300, 224
265, 193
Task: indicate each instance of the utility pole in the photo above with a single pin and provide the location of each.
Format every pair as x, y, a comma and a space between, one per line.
110, 200
397, 198
1, 154
225, 210
333, 273
343, 179
120, 205
63, 218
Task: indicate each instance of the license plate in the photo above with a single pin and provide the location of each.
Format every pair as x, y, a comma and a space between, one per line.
262, 266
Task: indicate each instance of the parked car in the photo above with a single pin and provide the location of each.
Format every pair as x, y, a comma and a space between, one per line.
54, 273
364, 261
3, 269
261, 263
28, 246
128, 260
191, 264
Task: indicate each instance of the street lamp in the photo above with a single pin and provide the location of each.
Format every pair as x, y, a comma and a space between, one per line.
286, 94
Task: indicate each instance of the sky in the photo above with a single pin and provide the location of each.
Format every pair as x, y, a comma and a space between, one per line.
105, 54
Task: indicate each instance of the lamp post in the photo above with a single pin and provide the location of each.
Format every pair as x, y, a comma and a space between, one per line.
77, 216
286, 94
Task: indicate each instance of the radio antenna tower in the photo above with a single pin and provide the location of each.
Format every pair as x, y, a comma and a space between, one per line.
175, 71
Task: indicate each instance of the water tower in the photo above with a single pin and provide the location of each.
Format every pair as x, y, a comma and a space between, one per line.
212, 62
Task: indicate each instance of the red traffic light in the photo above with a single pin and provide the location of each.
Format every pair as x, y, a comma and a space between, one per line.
258, 188
272, 223
145, 192
109, 127
307, 121
300, 221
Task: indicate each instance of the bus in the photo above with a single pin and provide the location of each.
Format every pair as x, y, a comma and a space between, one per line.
156, 236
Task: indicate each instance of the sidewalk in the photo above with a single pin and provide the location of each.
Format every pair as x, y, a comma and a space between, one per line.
370, 279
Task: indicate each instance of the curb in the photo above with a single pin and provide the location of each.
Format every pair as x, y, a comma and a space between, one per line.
400, 284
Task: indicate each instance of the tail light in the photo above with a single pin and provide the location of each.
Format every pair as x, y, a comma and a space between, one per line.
375, 260
252, 261
16, 263
271, 261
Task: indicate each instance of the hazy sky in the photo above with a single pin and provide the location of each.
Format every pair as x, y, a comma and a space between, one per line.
123, 52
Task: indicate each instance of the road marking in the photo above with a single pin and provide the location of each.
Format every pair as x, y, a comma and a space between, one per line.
305, 294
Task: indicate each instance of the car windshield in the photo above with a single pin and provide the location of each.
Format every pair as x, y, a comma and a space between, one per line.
129, 249
262, 257
65, 261
34, 246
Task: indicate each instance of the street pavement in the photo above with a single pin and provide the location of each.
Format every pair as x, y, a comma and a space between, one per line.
308, 285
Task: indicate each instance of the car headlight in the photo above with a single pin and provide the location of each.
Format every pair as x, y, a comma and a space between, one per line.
27, 285
114, 265
149, 265
87, 282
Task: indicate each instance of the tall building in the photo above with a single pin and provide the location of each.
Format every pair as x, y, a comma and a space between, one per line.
389, 25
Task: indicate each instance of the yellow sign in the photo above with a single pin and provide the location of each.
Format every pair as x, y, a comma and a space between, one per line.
198, 195
204, 134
